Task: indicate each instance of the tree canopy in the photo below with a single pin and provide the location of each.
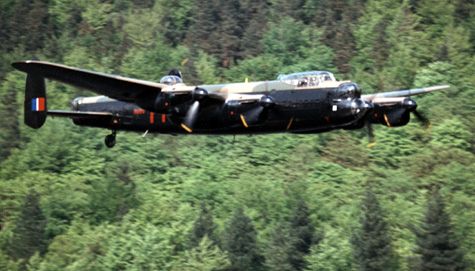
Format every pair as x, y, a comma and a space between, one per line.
269, 201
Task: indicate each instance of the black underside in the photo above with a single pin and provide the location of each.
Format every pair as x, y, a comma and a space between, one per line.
296, 111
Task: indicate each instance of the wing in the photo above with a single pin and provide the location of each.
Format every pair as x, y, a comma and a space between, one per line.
117, 87
395, 96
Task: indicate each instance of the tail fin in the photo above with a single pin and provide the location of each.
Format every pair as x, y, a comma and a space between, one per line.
35, 101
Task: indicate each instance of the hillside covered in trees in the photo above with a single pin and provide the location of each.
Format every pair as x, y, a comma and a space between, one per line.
270, 202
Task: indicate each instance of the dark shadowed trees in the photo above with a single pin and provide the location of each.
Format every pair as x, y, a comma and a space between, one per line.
203, 226
29, 232
302, 235
437, 246
372, 243
241, 244
9, 123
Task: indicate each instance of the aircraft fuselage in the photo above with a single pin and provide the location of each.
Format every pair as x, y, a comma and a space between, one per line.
296, 110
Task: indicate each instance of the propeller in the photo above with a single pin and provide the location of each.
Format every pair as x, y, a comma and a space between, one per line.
253, 115
422, 118
412, 105
197, 95
371, 137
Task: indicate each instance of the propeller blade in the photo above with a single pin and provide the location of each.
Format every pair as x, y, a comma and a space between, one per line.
253, 114
421, 118
190, 117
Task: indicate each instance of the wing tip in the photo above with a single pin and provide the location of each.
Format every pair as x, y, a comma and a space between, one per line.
438, 87
19, 65
24, 65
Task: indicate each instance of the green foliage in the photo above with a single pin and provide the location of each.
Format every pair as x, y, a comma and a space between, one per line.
140, 246
297, 46
9, 123
29, 232
302, 234
332, 254
114, 196
437, 246
203, 227
372, 243
206, 68
204, 257
279, 252
258, 68
452, 133
241, 244
134, 207
79, 248
6, 264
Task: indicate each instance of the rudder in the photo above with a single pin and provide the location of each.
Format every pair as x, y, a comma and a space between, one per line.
35, 101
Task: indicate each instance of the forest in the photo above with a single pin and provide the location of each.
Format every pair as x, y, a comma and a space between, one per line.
269, 202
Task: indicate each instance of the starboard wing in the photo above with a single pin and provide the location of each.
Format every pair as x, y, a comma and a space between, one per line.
385, 97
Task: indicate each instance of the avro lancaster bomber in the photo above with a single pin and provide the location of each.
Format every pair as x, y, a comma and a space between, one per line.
301, 103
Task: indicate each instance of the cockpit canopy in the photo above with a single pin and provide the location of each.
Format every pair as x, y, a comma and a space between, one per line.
309, 78
171, 80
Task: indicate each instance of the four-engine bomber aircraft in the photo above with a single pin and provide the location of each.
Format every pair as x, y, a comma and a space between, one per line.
306, 102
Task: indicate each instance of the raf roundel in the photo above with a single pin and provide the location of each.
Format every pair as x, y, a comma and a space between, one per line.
38, 104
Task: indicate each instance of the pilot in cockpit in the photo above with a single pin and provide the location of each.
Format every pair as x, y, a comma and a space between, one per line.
303, 82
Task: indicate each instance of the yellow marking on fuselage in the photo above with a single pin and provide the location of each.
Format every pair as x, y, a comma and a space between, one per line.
244, 121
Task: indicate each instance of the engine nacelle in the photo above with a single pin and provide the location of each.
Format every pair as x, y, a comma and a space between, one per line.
266, 101
392, 117
163, 103
199, 94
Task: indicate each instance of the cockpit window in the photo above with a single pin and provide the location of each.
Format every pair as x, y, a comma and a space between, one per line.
171, 80
304, 79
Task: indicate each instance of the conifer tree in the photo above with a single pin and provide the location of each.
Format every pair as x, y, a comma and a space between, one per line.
29, 232
279, 251
437, 246
204, 22
240, 243
203, 226
336, 18
229, 32
114, 196
255, 13
372, 243
302, 235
